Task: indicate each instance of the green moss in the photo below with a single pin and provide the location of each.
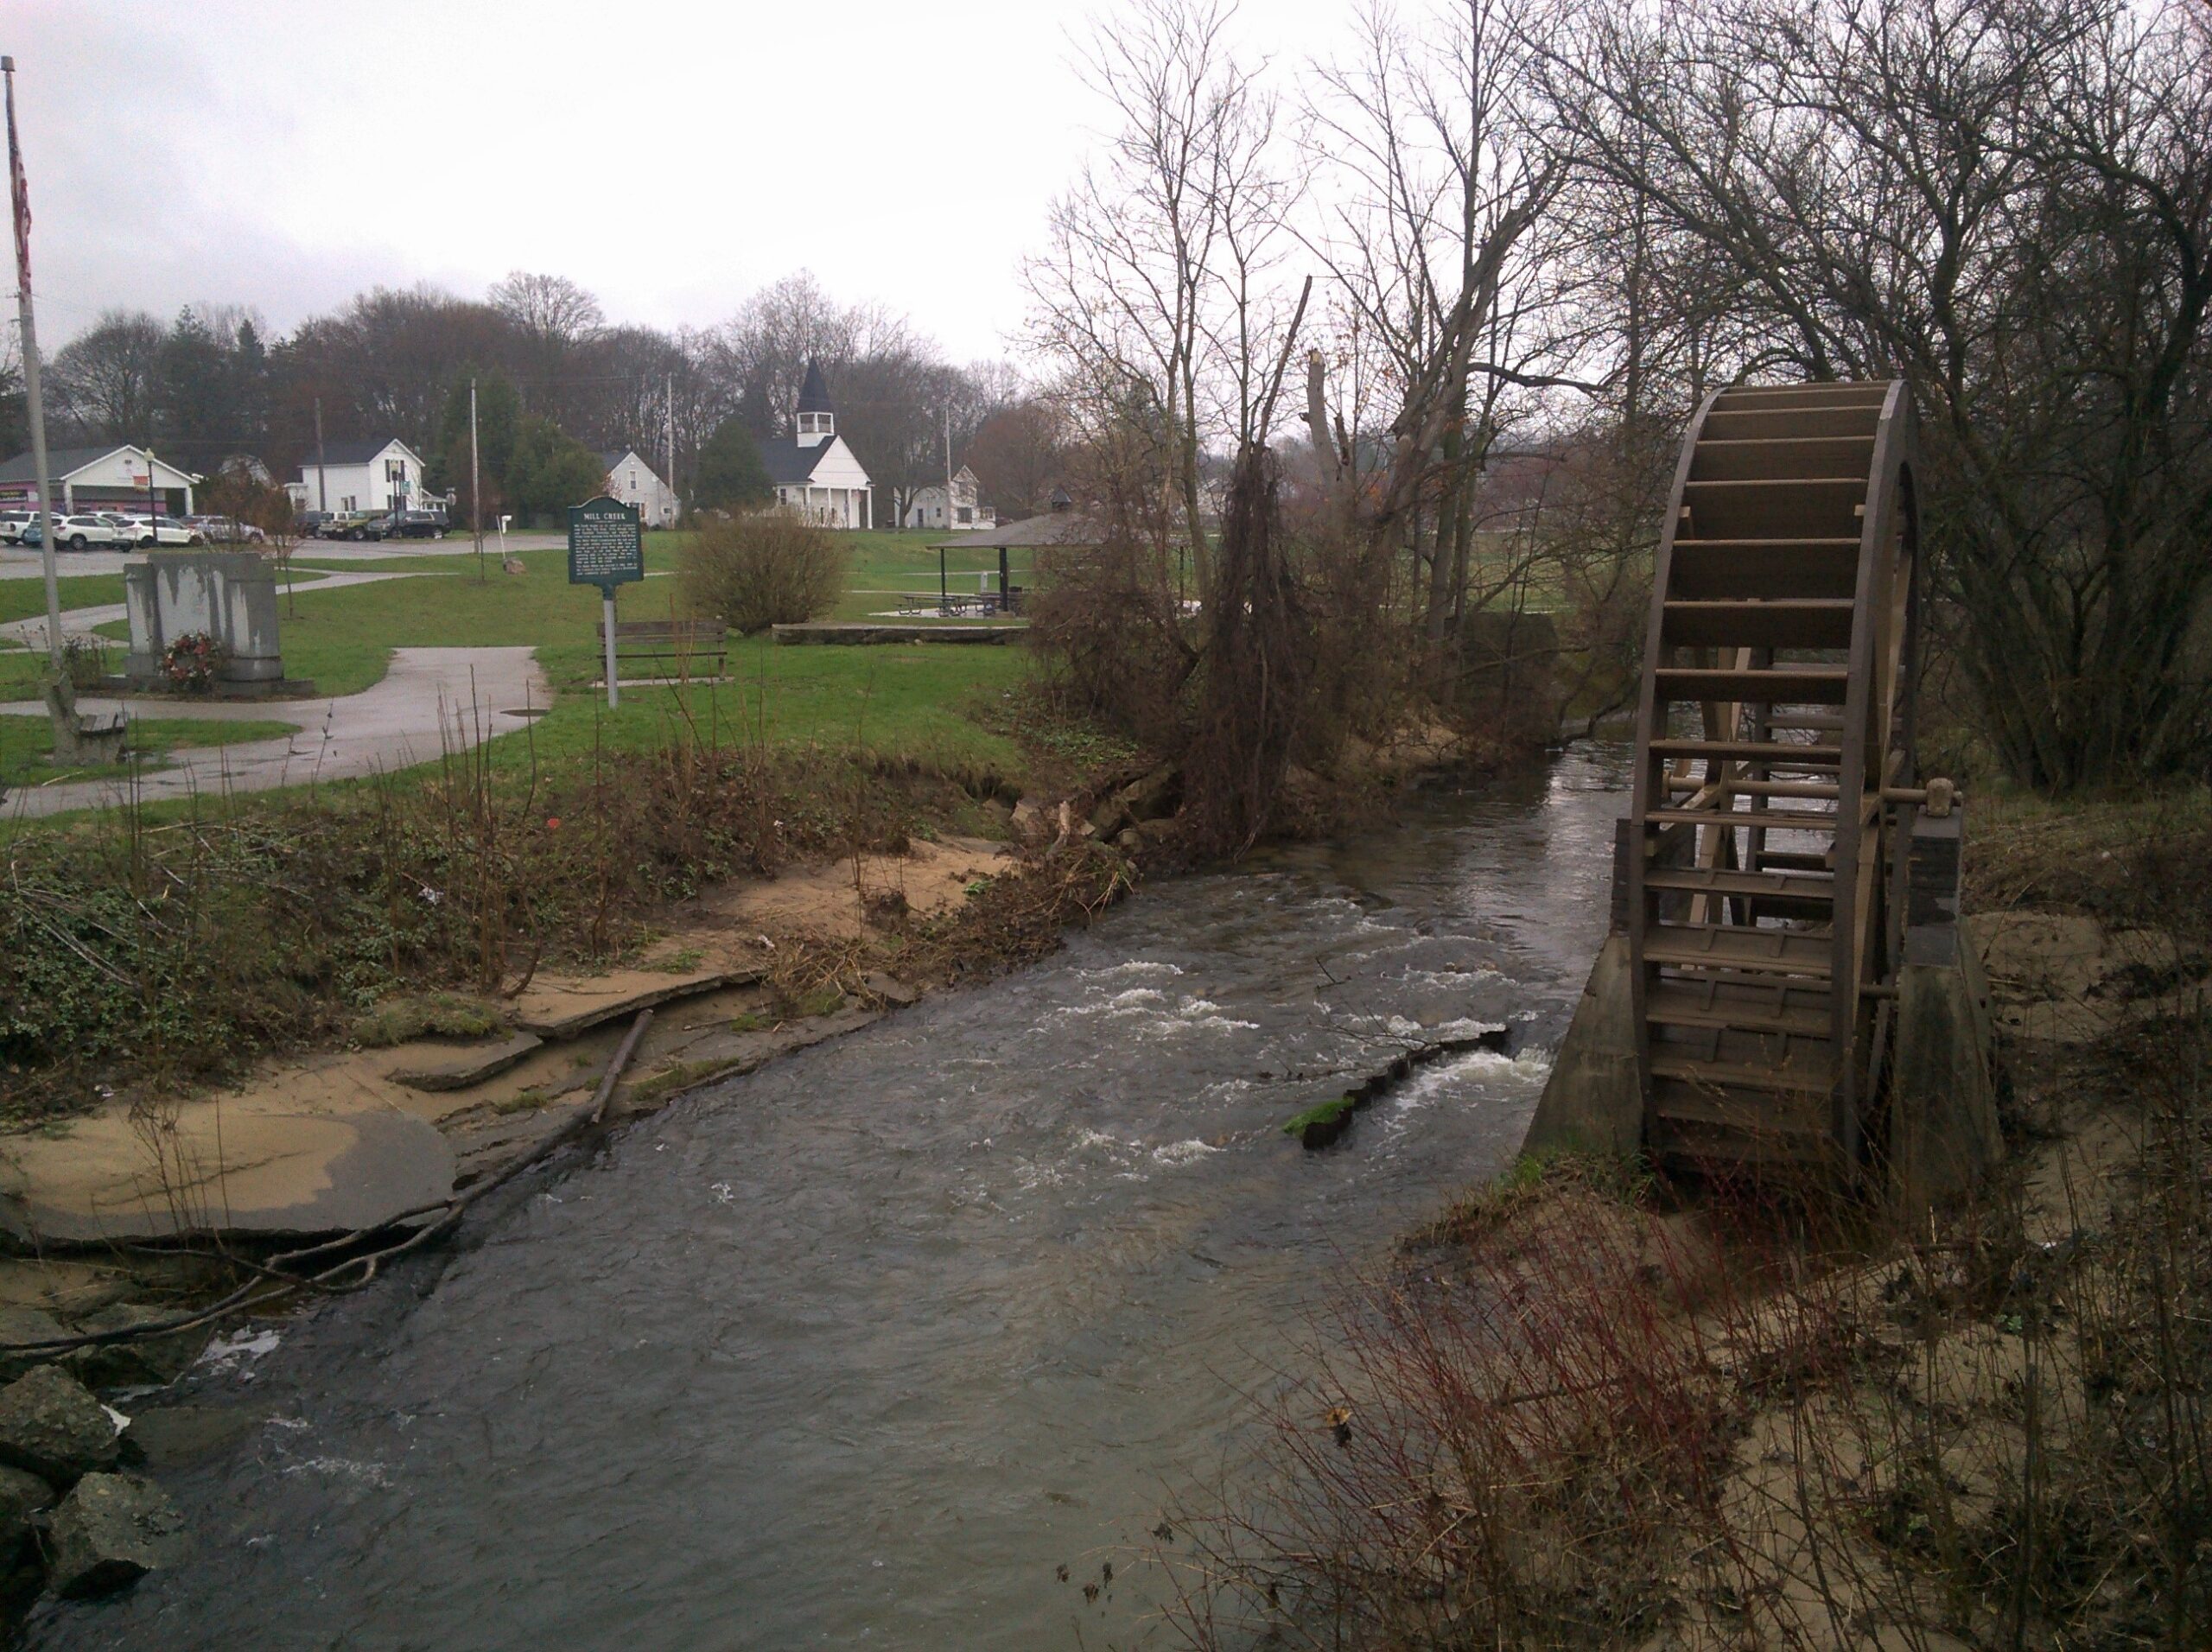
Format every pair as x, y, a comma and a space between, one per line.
428, 1015
1327, 1112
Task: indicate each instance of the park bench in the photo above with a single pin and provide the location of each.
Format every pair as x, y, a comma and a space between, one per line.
655, 650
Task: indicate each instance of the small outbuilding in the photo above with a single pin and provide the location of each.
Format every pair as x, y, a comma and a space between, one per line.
115, 477
929, 507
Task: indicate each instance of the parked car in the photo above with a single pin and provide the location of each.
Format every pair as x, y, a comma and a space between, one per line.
417, 525
229, 530
83, 532
12, 524
309, 525
165, 530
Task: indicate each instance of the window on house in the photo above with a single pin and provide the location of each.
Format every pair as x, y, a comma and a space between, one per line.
967, 514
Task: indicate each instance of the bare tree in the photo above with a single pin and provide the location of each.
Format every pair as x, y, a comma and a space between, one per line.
2013, 206
551, 311
1155, 289
107, 380
1440, 188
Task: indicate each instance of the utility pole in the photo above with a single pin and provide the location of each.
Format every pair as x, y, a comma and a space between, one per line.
475, 484
20, 195
321, 476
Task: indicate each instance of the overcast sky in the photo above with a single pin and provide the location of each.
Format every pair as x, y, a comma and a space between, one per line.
672, 157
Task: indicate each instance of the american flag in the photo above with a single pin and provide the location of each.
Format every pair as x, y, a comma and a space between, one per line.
19, 189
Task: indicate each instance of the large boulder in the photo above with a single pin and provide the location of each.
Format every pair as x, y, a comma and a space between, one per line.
110, 1531
51, 1425
22, 1495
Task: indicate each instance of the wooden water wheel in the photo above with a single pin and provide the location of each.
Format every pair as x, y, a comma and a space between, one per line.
1774, 735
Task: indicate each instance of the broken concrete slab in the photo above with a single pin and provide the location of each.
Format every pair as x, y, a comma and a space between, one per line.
732, 1055
479, 1064
245, 1167
556, 1009
890, 988
484, 1142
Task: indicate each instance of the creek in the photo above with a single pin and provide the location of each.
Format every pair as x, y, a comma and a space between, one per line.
863, 1348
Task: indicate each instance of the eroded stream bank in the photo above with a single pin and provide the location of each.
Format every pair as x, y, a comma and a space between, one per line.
867, 1346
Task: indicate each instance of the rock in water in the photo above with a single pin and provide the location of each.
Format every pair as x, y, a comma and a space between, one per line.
51, 1425
22, 1495
110, 1532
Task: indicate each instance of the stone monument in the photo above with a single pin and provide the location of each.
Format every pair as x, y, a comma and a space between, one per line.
230, 595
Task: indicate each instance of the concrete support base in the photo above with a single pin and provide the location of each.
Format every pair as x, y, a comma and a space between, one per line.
1593, 1102
1943, 1130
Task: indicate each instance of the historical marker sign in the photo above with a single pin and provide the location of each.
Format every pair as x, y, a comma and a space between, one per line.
605, 547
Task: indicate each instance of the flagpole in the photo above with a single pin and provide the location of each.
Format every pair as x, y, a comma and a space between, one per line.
19, 192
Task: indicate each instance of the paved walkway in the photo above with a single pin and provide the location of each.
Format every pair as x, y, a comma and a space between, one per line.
431, 700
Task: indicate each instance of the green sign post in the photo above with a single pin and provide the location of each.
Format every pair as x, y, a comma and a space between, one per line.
607, 549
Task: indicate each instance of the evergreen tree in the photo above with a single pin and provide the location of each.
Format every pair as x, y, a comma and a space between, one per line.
550, 470
499, 413
731, 475
195, 410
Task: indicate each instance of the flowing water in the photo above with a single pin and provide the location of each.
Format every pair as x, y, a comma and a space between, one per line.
863, 1349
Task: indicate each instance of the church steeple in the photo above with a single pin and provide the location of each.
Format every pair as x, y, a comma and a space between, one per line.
817, 419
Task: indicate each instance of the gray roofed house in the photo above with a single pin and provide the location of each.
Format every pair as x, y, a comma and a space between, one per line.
359, 475
635, 482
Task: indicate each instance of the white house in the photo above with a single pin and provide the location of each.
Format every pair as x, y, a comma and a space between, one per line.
113, 478
634, 481
369, 475
927, 508
813, 472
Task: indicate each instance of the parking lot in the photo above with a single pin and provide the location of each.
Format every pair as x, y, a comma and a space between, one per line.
17, 563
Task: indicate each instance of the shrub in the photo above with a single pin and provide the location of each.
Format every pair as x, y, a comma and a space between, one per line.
756, 571
84, 661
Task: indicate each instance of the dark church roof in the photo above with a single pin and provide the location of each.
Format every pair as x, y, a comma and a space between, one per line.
788, 464
814, 395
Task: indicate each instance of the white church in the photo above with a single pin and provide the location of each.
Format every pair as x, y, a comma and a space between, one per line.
813, 472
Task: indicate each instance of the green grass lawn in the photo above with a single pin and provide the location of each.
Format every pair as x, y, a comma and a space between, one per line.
917, 701
25, 742
910, 700
26, 599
